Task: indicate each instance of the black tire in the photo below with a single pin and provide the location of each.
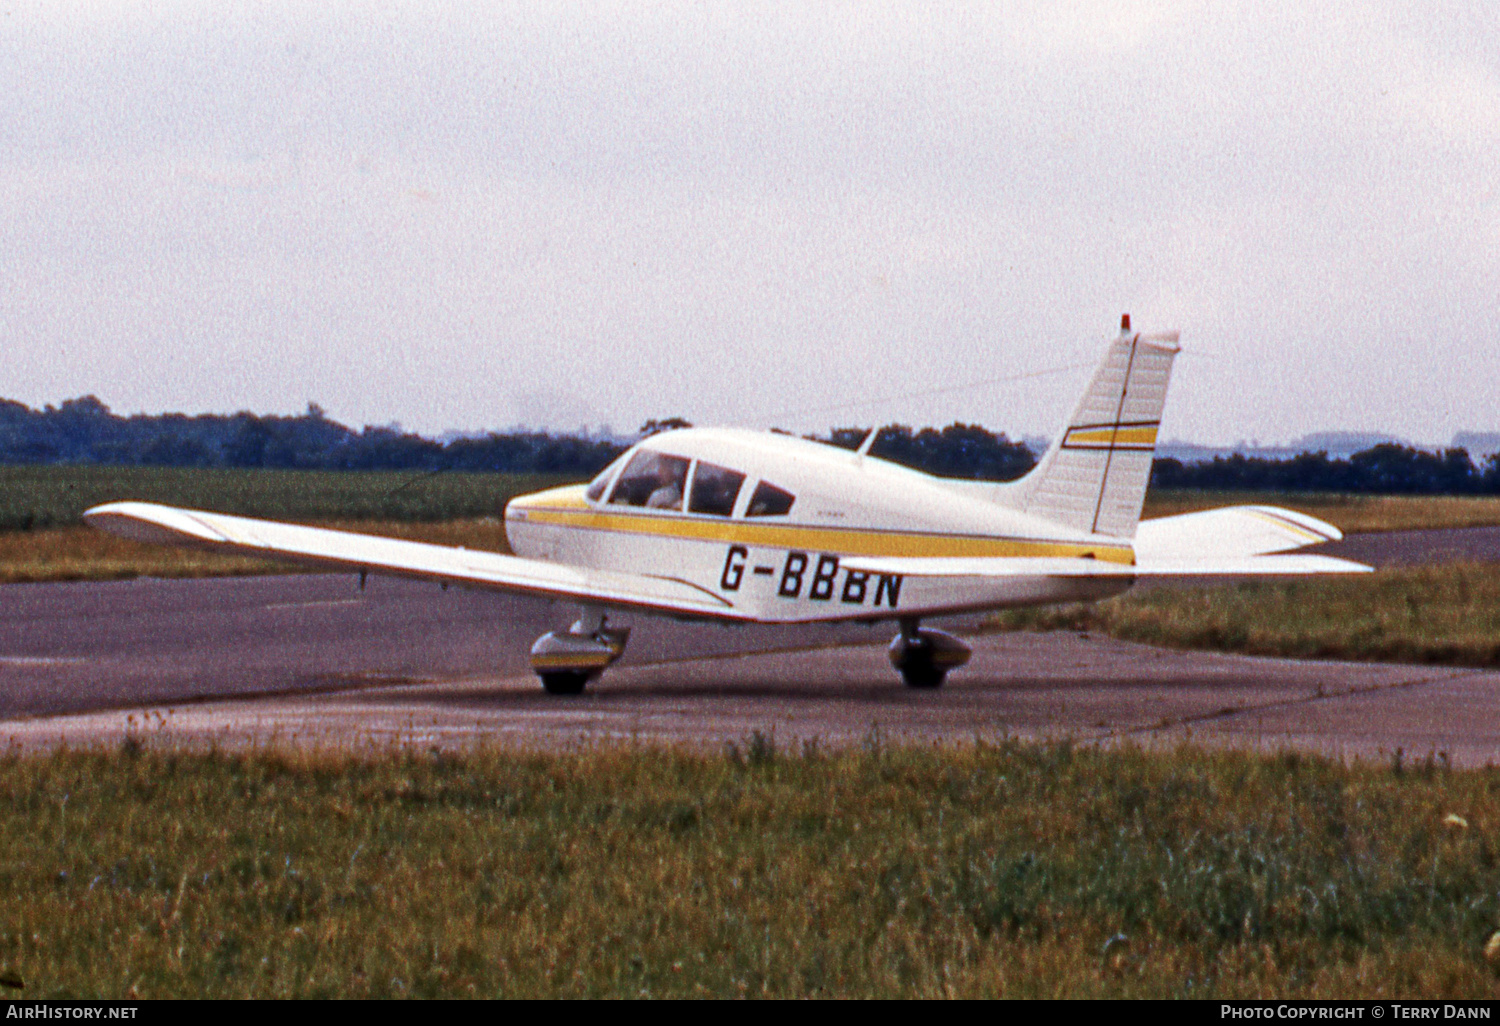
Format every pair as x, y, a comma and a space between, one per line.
564, 682
920, 673
923, 678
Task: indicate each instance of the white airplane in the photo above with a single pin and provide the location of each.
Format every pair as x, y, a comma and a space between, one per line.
751, 527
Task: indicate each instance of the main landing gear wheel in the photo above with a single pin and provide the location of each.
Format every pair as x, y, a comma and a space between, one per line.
567, 660
919, 672
924, 657
564, 682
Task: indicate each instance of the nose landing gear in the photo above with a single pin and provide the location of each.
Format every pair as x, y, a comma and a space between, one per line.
567, 660
924, 656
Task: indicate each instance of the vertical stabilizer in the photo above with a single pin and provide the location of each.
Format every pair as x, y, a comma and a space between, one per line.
1094, 476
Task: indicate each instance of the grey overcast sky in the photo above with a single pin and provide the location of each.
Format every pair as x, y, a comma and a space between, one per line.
465, 216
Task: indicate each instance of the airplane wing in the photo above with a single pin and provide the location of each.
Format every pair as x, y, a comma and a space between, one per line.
1230, 531
317, 546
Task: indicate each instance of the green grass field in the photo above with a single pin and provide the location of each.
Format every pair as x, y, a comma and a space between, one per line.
37, 497
994, 870
42, 537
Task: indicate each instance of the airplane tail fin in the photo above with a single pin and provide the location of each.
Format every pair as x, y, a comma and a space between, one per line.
1093, 477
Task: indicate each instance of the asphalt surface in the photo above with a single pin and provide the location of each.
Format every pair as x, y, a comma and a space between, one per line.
310, 657
77, 646
1410, 548
1062, 684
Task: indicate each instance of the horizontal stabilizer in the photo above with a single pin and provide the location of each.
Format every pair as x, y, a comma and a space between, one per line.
1227, 532
317, 546
1002, 566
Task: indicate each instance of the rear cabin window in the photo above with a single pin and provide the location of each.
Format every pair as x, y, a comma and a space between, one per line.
714, 489
596, 487
651, 479
769, 501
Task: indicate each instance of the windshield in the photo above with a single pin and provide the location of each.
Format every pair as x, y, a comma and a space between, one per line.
597, 485
651, 479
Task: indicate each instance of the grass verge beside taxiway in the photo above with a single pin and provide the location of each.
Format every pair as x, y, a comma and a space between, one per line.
1447, 613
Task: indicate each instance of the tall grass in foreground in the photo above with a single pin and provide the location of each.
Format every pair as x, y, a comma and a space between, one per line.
1004, 869
1448, 613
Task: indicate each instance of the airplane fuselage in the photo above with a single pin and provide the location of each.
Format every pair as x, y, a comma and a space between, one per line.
773, 549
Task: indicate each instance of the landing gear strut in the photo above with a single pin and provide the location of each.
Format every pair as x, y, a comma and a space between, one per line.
567, 660
924, 656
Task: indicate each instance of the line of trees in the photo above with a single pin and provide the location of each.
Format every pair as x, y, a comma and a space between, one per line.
958, 450
84, 430
1383, 469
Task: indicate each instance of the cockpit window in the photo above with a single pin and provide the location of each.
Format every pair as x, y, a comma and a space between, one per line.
596, 487
769, 501
714, 489
651, 479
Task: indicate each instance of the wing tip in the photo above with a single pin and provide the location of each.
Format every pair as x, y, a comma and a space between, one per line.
149, 522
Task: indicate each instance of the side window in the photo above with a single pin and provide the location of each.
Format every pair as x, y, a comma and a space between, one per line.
597, 485
651, 479
769, 501
714, 489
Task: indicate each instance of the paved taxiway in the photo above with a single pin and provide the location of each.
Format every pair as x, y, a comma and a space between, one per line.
1024, 685
305, 658
1410, 548
77, 646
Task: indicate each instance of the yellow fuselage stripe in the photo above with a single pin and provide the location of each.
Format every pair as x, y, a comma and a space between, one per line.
841, 540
